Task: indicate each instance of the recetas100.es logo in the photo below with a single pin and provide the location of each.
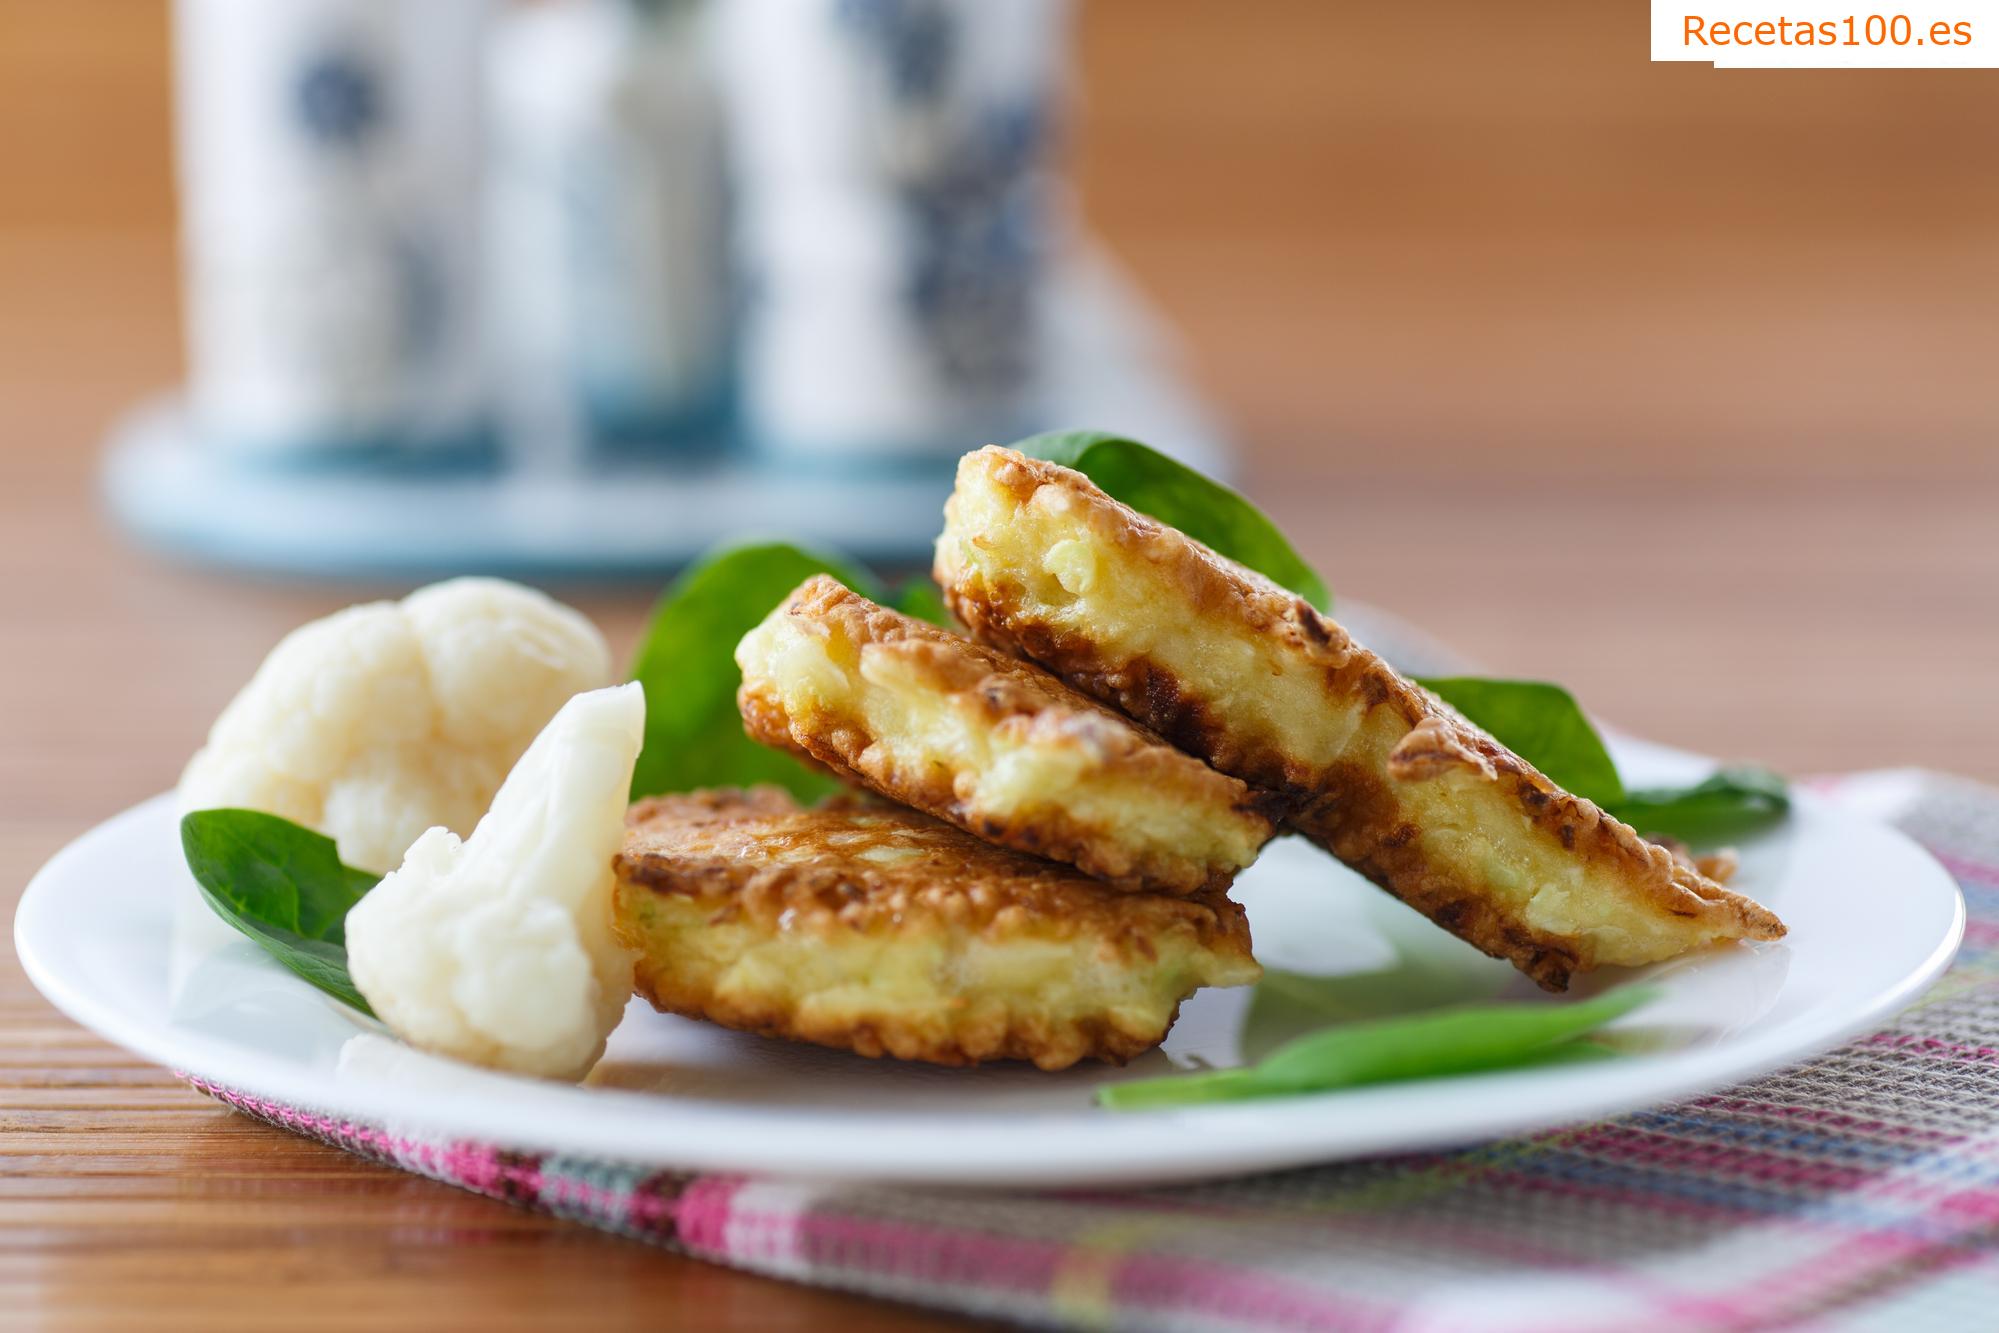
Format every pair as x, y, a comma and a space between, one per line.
1852, 30
1802, 35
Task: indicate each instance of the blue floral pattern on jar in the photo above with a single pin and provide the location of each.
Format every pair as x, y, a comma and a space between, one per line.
338, 99
974, 211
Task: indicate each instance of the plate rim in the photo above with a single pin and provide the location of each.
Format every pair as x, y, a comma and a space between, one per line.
1232, 1139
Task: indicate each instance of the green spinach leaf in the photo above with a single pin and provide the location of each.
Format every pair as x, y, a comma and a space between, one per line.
283, 886
687, 663
1543, 724
1182, 498
919, 597
1733, 802
1462, 1040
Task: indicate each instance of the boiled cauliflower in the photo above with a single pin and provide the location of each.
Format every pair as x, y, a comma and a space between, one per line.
383, 720
499, 949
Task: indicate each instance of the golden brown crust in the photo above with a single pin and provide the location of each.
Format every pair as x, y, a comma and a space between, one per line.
1205, 825
883, 931
1207, 584
1359, 821
1356, 802
781, 865
1049, 1044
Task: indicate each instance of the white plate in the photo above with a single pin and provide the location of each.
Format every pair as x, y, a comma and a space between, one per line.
111, 931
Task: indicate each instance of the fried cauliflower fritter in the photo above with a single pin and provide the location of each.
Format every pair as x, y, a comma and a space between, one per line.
1221, 661
994, 745
885, 932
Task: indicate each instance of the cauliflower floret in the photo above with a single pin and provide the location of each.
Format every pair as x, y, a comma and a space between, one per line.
499, 949
383, 720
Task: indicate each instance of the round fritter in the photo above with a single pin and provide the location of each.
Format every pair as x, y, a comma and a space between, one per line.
885, 932
1220, 660
994, 745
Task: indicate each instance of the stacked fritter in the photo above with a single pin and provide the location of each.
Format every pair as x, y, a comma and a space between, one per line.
1074, 793
880, 930
1036, 878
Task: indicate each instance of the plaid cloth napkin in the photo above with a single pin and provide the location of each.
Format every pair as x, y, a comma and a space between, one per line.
1859, 1191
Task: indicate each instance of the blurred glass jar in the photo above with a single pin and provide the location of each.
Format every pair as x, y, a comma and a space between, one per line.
329, 157
892, 184
608, 224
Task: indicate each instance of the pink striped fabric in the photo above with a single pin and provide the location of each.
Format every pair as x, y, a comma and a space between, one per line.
1858, 1191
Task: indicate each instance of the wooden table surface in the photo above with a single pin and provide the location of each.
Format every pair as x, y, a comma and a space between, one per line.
1674, 386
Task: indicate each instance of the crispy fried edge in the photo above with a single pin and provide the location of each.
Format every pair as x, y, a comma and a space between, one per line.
999, 688
1222, 927
1349, 809
1047, 1044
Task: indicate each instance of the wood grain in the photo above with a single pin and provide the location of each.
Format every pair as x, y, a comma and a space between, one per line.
1672, 385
